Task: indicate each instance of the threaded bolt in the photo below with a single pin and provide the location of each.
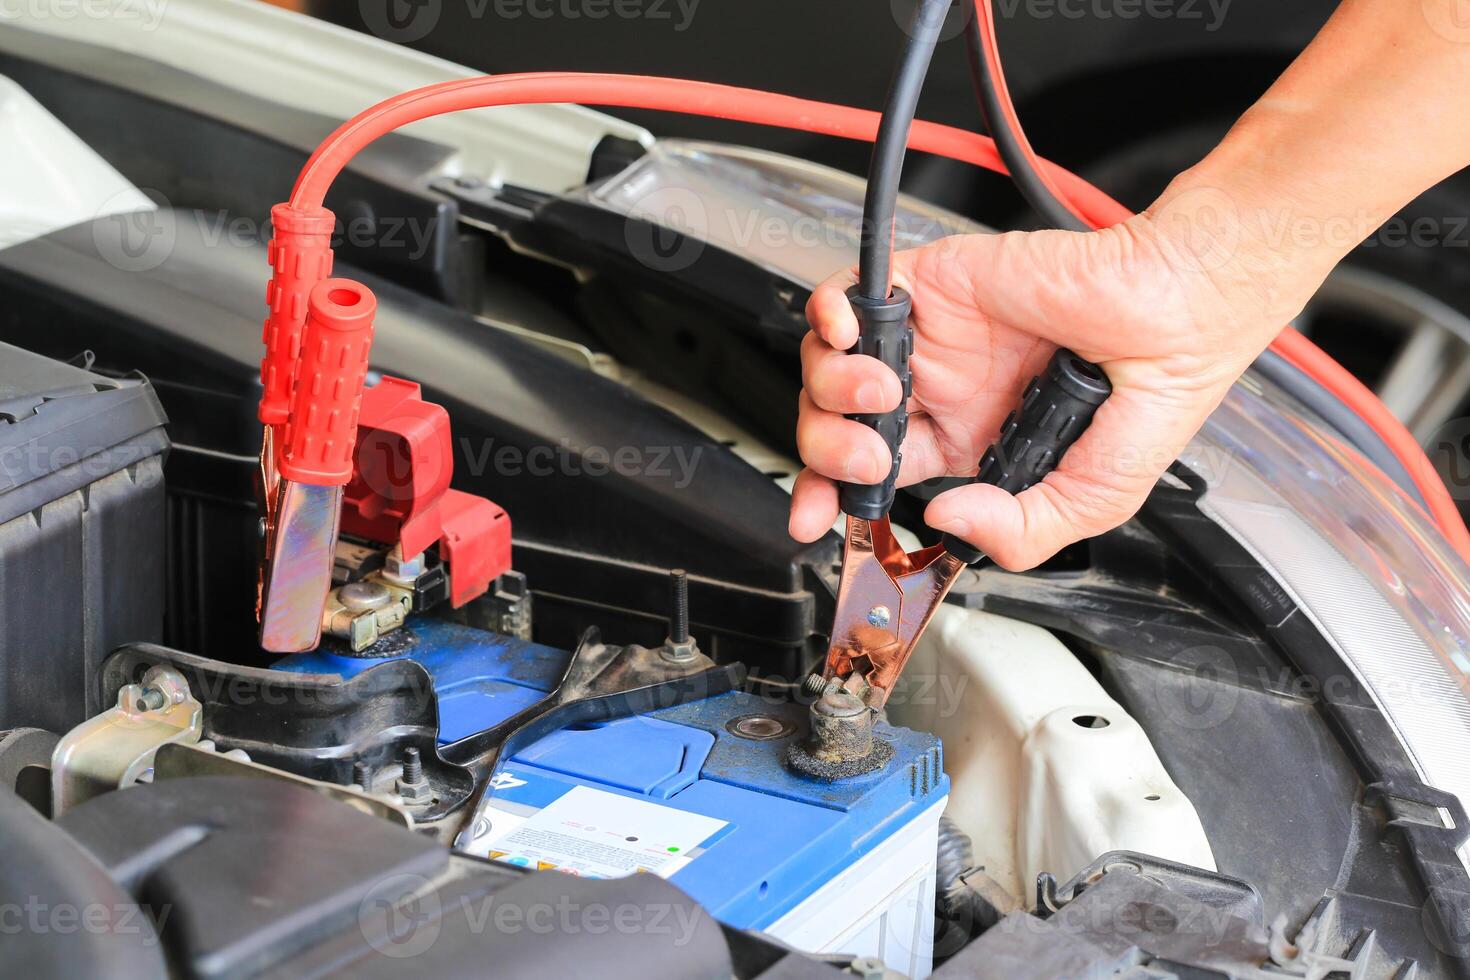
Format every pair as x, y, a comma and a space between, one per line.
679, 619
151, 699
413, 766
814, 685
361, 775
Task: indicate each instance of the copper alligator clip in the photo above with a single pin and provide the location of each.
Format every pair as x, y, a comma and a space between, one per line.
886, 597
884, 600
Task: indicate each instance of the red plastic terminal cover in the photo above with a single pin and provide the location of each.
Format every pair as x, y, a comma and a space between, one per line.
400, 491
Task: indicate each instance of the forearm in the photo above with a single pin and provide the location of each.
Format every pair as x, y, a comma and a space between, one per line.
1374, 111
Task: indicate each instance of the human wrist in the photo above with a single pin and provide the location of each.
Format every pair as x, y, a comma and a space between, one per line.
1257, 243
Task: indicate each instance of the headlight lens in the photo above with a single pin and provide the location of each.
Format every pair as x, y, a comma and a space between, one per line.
1369, 568
797, 219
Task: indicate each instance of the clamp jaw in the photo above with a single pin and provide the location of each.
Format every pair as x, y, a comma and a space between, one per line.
886, 597
305, 462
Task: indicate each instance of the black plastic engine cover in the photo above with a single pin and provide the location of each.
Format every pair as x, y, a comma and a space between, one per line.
251, 876
606, 491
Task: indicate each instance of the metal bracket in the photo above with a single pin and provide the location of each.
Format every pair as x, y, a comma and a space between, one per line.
116, 747
180, 760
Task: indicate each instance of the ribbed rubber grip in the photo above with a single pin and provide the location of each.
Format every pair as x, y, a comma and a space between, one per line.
335, 344
300, 253
884, 333
1055, 410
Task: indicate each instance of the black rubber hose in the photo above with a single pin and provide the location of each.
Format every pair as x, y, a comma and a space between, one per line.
955, 856
1053, 212
880, 204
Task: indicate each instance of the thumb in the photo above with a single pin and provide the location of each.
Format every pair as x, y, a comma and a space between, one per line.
1101, 482
1016, 531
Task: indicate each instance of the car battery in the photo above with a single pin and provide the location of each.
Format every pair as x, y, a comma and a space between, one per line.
701, 794
82, 524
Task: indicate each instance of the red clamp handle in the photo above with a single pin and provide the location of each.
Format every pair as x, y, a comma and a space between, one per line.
300, 254
335, 342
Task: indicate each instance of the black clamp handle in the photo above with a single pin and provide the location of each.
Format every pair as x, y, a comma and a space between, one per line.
1055, 410
884, 333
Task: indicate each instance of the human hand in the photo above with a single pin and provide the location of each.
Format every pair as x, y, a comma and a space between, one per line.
1172, 324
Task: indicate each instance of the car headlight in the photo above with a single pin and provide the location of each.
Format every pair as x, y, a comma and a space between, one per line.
796, 219
1364, 563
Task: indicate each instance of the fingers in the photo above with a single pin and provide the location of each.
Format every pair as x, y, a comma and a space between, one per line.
839, 382
814, 506
829, 312
839, 448
1102, 481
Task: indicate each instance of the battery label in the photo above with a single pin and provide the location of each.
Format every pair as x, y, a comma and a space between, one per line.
596, 834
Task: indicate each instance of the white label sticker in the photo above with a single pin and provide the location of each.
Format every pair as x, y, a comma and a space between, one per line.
597, 834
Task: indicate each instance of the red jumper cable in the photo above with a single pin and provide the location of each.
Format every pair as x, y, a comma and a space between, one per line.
301, 258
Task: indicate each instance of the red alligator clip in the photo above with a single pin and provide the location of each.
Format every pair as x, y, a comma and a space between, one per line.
318, 335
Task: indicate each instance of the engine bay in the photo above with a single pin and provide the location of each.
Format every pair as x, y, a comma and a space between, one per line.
557, 709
